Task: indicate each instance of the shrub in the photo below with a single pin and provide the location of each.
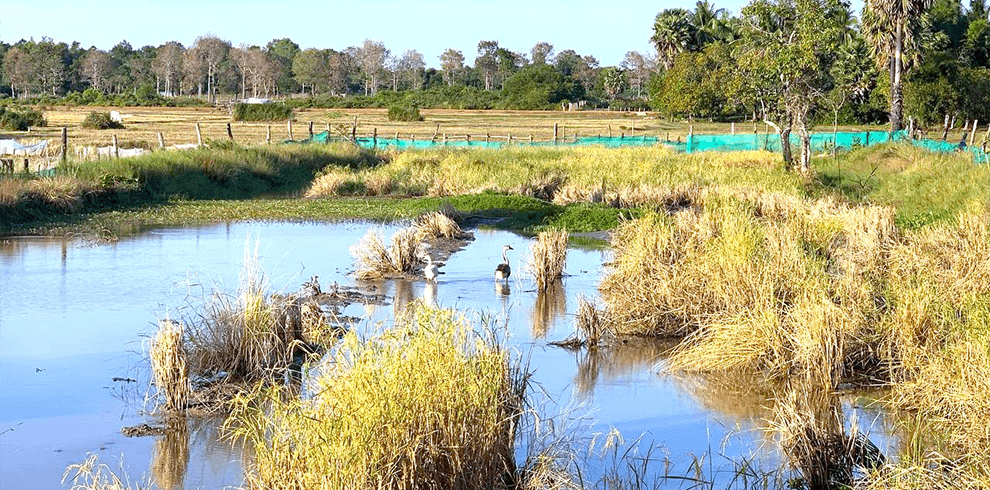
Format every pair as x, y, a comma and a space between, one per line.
262, 112
20, 120
405, 113
100, 120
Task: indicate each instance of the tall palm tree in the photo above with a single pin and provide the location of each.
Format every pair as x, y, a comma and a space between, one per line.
890, 26
672, 34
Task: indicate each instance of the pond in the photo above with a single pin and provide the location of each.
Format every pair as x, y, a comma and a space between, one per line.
75, 317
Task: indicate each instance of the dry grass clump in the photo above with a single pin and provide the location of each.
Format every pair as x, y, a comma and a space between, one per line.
436, 226
62, 192
250, 336
590, 323
427, 404
168, 363
548, 256
331, 183
771, 284
375, 261
93, 475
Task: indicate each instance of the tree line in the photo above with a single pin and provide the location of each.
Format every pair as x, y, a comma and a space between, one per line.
213, 67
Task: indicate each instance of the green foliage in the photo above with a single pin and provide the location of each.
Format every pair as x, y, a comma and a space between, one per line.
262, 112
693, 86
14, 120
100, 120
539, 87
405, 113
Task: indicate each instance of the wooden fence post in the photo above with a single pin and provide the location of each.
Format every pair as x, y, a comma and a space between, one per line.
985, 138
230, 134
354, 130
288, 125
972, 133
116, 149
733, 129
199, 135
555, 133
374, 137
161, 141
610, 131
65, 143
311, 130
268, 136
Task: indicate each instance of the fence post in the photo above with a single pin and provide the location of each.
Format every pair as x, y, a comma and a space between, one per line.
354, 130
972, 133
161, 141
230, 134
985, 138
199, 135
374, 137
288, 125
65, 143
268, 136
116, 149
554, 133
610, 131
311, 130
733, 129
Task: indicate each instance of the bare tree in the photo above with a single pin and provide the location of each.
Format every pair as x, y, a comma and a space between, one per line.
487, 61
451, 62
411, 66
17, 69
96, 69
167, 65
211, 52
339, 68
371, 58
638, 69
542, 53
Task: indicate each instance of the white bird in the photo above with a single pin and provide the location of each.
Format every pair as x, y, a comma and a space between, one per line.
502, 271
430, 272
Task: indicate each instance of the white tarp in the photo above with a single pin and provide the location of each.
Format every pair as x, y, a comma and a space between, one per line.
12, 147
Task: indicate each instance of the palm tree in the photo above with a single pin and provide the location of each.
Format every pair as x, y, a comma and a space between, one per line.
890, 26
709, 24
672, 34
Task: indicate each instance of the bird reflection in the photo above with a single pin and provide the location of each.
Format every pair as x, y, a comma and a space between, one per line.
430, 293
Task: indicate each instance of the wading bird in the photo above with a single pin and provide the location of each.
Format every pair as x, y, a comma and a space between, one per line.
430, 272
503, 270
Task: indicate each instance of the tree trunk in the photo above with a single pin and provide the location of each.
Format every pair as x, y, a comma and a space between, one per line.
896, 82
785, 144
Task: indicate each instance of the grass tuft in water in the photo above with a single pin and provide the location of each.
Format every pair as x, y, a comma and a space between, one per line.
548, 255
427, 404
168, 363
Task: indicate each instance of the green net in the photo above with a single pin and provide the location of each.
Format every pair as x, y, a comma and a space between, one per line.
820, 142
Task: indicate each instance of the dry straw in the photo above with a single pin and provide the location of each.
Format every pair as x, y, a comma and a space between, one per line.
168, 363
375, 261
437, 226
548, 256
427, 404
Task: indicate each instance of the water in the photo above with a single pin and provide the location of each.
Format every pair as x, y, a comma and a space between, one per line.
75, 315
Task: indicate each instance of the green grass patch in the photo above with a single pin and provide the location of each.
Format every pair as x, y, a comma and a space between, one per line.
262, 112
14, 120
100, 120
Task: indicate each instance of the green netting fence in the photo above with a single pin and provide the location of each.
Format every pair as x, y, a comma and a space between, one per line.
820, 142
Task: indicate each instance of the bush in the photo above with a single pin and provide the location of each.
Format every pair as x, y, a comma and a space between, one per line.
405, 113
262, 112
12, 120
100, 120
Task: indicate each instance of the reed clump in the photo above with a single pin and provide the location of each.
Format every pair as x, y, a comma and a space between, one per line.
427, 404
376, 261
437, 226
90, 474
548, 255
249, 336
168, 363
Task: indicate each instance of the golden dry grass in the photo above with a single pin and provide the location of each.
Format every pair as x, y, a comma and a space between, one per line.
547, 257
437, 226
168, 363
375, 261
90, 474
426, 404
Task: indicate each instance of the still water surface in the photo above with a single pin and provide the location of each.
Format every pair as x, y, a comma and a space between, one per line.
76, 315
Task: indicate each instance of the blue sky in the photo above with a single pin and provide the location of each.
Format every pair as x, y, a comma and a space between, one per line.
602, 29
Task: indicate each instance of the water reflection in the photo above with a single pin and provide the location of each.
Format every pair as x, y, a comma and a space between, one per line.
403, 296
170, 454
550, 305
611, 363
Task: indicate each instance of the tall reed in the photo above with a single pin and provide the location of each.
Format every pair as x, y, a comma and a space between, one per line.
548, 255
168, 363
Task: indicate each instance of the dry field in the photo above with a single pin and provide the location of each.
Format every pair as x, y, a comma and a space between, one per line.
177, 125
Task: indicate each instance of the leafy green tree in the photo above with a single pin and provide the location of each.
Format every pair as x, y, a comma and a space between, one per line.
542, 53
451, 62
282, 52
487, 62
310, 69
539, 87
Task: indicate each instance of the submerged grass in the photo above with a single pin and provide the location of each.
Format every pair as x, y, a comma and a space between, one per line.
427, 404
